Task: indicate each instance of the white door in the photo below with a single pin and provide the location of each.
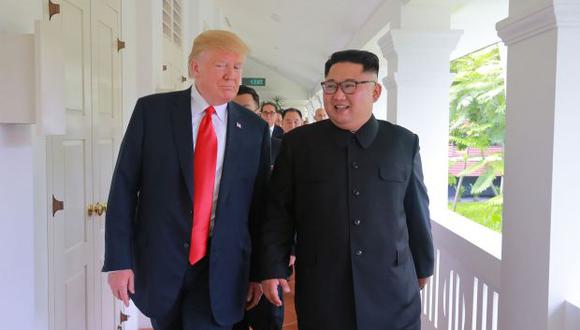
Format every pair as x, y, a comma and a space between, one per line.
71, 242
106, 137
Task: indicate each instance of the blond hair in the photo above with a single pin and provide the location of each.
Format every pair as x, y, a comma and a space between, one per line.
216, 39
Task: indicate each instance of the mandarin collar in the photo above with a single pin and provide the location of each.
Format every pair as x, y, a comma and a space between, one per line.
364, 135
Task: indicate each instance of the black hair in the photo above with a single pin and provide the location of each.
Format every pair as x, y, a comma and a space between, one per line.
291, 110
369, 61
249, 90
269, 103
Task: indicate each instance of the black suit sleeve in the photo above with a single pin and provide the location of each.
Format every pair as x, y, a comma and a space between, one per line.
123, 196
258, 209
278, 229
418, 220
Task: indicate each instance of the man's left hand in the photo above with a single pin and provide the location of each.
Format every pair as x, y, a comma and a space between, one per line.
423, 282
254, 295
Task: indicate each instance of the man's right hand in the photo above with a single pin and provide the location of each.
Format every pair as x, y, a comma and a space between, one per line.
270, 288
120, 281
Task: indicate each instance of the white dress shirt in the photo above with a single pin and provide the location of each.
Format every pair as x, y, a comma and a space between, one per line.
220, 124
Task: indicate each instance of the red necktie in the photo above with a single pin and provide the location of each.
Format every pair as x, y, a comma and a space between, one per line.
204, 164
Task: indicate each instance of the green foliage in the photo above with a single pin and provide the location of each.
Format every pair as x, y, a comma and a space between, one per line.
279, 101
483, 213
477, 109
477, 120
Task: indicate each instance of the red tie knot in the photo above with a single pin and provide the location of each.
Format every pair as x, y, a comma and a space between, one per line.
209, 110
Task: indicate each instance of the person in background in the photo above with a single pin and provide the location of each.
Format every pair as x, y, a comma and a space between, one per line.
248, 98
320, 114
268, 112
291, 118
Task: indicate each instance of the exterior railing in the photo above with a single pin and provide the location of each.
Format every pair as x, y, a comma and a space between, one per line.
464, 291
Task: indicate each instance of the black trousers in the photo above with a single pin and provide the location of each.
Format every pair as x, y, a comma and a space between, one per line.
192, 310
263, 316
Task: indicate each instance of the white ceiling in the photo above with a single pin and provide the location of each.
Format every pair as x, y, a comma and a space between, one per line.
291, 40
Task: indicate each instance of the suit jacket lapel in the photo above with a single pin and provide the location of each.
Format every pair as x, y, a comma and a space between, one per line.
183, 136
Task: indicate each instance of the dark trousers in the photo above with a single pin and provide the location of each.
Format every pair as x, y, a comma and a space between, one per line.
192, 310
263, 316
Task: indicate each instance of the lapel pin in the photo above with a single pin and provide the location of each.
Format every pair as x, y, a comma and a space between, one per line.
238, 125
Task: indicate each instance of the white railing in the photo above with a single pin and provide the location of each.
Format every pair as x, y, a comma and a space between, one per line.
464, 290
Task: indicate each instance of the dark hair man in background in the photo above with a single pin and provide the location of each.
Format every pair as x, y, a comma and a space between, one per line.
268, 112
248, 98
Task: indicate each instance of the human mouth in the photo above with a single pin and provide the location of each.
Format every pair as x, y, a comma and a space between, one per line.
341, 107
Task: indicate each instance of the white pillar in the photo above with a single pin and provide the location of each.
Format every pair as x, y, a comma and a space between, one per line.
540, 268
417, 50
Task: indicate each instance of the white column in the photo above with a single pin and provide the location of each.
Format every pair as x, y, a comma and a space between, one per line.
540, 268
417, 84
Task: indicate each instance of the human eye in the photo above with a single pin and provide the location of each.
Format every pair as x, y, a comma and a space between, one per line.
349, 84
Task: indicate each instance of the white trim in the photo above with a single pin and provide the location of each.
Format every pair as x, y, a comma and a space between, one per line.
417, 79
515, 29
433, 41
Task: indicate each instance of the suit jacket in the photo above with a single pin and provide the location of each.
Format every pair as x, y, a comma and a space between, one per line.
278, 132
359, 208
149, 216
274, 148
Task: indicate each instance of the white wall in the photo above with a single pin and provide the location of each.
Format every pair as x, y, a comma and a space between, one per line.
477, 20
17, 271
16, 226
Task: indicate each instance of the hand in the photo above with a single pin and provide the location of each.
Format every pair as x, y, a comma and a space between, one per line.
270, 288
254, 295
423, 282
292, 260
120, 281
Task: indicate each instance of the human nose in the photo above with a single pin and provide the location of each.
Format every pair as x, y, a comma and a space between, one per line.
339, 94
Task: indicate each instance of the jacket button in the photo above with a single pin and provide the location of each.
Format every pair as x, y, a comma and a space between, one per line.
355, 192
356, 222
354, 165
186, 245
358, 253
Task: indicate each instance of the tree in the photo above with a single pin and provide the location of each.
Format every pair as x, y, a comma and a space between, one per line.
477, 115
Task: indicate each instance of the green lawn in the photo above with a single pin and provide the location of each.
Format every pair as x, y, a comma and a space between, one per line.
480, 212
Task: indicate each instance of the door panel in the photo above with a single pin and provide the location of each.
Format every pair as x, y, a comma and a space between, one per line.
106, 135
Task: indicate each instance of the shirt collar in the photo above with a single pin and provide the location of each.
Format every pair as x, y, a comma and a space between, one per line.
199, 104
364, 135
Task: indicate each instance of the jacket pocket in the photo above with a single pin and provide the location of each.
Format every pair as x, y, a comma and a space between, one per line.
392, 174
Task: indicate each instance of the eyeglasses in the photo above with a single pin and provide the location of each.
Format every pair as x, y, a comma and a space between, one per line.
347, 86
268, 113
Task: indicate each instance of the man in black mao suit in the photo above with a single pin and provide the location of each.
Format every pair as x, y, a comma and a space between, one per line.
185, 200
359, 208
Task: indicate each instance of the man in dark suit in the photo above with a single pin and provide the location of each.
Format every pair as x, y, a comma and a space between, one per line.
265, 315
248, 98
356, 200
268, 112
185, 201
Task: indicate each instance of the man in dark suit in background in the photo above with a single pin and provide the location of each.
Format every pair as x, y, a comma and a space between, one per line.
248, 98
359, 208
268, 112
186, 197
265, 315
